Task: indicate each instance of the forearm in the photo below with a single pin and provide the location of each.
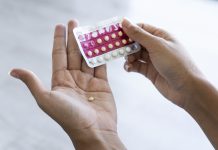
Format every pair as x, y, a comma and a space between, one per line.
202, 105
95, 139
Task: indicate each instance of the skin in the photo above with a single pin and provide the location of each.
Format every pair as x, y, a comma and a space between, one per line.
89, 124
93, 124
164, 61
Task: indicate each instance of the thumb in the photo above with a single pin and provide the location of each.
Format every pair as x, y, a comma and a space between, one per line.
139, 35
31, 80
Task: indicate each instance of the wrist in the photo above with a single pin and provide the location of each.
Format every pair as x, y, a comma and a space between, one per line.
202, 106
199, 93
93, 139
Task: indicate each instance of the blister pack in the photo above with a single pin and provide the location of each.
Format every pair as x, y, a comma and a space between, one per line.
104, 42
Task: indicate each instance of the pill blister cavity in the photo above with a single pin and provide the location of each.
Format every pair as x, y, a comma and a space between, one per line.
89, 53
113, 35
110, 46
120, 33
121, 51
128, 49
103, 48
124, 41
117, 43
99, 59
106, 38
135, 46
99, 41
107, 57
96, 51
114, 54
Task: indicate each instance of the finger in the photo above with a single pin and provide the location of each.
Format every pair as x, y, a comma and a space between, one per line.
139, 35
101, 72
74, 55
59, 54
142, 56
32, 82
86, 69
136, 66
146, 69
133, 57
156, 31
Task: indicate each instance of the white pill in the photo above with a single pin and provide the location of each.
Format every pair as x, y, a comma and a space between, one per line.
103, 48
89, 53
107, 57
128, 49
113, 35
121, 51
99, 41
110, 46
96, 51
106, 38
120, 33
114, 54
124, 41
99, 59
117, 43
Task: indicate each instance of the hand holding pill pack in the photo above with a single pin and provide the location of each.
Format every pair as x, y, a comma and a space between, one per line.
104, 42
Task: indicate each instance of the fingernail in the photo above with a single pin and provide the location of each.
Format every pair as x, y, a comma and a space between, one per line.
13, 74
59, 28
127, 67
73, 22
126, 23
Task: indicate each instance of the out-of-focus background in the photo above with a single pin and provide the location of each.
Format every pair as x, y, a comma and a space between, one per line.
145, 119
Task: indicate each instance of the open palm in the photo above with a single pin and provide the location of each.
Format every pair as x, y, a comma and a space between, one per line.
80, 97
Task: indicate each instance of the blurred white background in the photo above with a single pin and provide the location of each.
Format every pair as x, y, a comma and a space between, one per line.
145, 119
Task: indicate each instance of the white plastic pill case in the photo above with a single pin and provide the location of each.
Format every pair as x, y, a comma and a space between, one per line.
104, 42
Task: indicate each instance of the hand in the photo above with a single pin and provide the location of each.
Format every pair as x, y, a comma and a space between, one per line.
162, 60
80, 99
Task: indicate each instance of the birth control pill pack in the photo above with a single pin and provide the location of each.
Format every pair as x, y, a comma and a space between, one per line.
104, 42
